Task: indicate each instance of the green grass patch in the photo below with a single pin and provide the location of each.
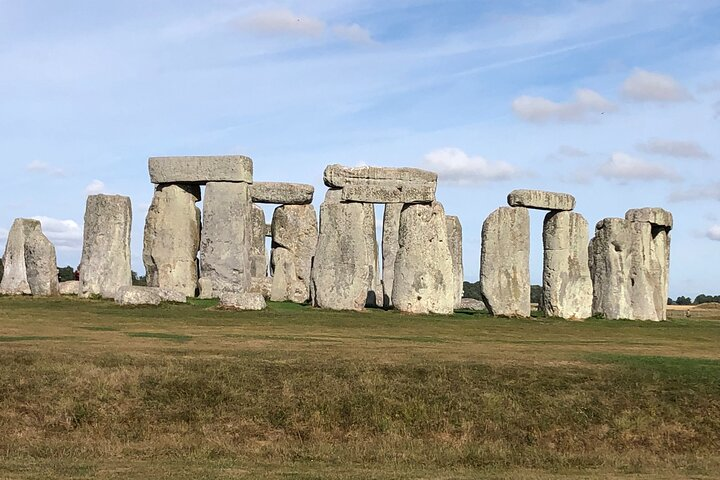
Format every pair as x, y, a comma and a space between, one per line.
27, 338
173, 337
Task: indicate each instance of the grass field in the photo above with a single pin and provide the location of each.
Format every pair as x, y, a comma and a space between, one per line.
92, 390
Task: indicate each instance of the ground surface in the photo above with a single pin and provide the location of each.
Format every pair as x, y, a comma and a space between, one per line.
92, 390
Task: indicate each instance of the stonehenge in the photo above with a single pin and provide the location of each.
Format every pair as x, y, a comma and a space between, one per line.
541, 200
30, 265
454, 234
391, 228
201, 170
258, 254
294, 238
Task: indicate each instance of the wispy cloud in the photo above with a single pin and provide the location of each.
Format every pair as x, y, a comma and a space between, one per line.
623, 167
282, 22
699, 192
542, 110
457, 167
64, 234
645, 86
37, 166
713, 233
674, 148
353, 33
95, 187
708, 87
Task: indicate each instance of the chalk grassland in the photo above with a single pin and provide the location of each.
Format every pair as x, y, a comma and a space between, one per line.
92, 390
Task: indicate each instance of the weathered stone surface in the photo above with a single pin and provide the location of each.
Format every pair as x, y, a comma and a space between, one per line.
173, 296
242, 301
225, 239
172, 239
14, 280
282, 193
342, 272
205, 288
541, 200
391, 228
339, 176
375, 294
69, 288
201, 169
398, 193
628, 265
133, 295
472, 304
505, 262
454, 233
656, 216
258, 255
567, 287
40, 263
423, 279
263, 286
295, 237
105, 263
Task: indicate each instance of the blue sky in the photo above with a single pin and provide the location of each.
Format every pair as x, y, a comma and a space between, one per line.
615, 101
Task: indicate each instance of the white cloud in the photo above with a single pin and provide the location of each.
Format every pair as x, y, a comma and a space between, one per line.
572, 152
95, 187
699, 192
713, 233
644, 86
353, 33
455, 166
541, 110
37, 166
283, 22
622, 167
674, 148
64, 234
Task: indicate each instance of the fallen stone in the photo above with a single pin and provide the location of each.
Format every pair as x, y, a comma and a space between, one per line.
423, 281
14, 280
173, 296
201, 170
205, 288
242, 301
105, 263
454, 233
172, 238
391, 228
541, 200
472, 304
295, 237
282, 193
339, 176
225, 238
135, 295
40, 263
567, 286
654, 216
258, 254
401, 194
505, 262
71, 287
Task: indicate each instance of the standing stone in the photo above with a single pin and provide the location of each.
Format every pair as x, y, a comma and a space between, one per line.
295, 236
391, 227
567, 287
424, 280
342, 271
14, 280
105, 263
375, 294
258, 255
225, 239
454, 232
40, 263
505, 262
172, 239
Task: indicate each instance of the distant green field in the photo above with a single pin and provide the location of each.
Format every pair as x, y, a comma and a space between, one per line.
89, 389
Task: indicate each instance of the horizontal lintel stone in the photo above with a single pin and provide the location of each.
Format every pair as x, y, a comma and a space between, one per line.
541, 200
339, 176
654, 216
282, 193
201, 169
407, 193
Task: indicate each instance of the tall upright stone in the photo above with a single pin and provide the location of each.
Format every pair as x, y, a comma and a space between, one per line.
375, 294
567, 286
41, 263
258, 253
391, 227
105, 263
342, 271
14, 280
225, 238
172, 238
423, 280
295, 236
505, 262
454, 233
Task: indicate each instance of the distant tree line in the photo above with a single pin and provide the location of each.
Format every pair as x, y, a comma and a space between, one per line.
700, 299
472, 290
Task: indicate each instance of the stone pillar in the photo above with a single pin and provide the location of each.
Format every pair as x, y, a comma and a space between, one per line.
30, 264
295, 236
567, 287
342, 271
225, 239
423, 280
258, 254
14, 280
375, 293
172, 238
105, 263
505, 262
391, 226
454, 232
